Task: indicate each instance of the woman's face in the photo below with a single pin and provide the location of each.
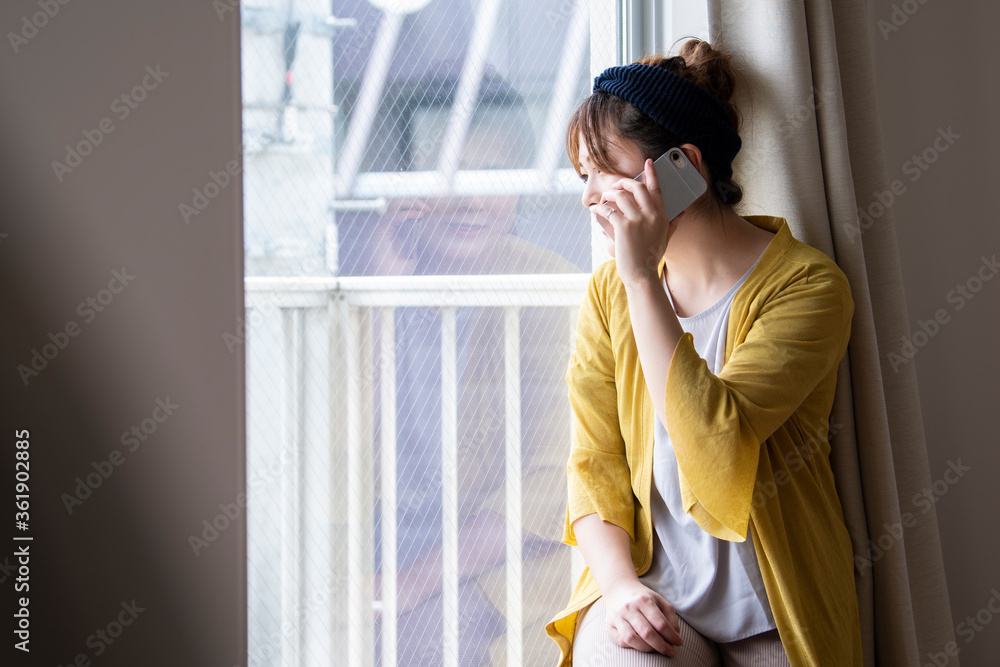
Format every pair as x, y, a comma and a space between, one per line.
628, 162
461, 234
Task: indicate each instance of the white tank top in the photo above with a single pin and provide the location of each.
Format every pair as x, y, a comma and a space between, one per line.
714, 585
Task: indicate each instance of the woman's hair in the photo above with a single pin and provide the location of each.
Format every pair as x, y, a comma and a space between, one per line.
604, 119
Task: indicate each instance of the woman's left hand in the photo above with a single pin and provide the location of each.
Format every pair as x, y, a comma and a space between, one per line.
635, 211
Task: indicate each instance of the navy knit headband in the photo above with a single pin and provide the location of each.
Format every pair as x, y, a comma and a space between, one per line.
683, 107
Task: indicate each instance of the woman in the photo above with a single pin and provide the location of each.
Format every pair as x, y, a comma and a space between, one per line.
700, 488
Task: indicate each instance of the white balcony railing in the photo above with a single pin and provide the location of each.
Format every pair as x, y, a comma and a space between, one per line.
311, 469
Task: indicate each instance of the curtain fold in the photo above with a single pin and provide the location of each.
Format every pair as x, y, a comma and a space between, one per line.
812, 152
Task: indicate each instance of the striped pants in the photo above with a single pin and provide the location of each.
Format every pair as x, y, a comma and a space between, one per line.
592, 647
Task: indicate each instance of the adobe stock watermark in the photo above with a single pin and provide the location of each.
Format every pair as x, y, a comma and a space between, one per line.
102, 638
795, 460
562, 11
315, 600
7, 569
32, 24
900, 14
131, 440
238, 337
88, 310
774, 144
958, 297
230, 512
797, 117
255, 316
122, 107
214, 184
968, 629
914, 168
223, 7
973, 625
924, 500
212, 528
533, 206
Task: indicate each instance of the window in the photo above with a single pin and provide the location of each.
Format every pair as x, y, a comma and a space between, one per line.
415, 252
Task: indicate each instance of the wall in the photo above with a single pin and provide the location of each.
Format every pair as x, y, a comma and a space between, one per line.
936, 70
125, 303
157, 336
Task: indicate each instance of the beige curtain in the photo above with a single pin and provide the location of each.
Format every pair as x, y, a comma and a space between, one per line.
812, 153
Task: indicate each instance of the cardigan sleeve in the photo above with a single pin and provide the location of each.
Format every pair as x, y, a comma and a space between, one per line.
598, 475
717, 423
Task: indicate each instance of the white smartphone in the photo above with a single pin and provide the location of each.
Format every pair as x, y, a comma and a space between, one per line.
680, 183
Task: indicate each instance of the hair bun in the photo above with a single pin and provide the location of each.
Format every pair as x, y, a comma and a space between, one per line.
712, 69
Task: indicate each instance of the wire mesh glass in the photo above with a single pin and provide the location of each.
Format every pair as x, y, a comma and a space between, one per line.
408, 426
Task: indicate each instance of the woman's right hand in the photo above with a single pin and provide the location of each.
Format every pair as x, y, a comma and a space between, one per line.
394, 241
636, 616
640, 618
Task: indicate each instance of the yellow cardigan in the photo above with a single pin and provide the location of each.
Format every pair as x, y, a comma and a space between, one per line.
751, 442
